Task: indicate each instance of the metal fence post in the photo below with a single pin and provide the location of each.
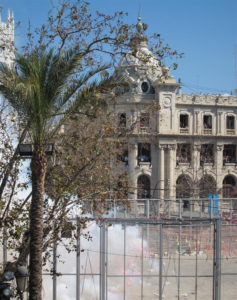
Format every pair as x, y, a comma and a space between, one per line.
102, 264
147, 208
55, 270
158, 204
217, 269
78, 262
180, 209
212, 207
161, 263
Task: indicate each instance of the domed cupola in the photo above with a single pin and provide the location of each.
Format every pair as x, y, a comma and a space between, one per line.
139, 67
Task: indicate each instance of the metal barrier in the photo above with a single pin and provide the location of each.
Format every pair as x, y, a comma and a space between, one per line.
146, 259
148, 249
166, 208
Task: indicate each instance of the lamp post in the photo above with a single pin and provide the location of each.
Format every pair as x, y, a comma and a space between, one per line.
21, 275
5, 290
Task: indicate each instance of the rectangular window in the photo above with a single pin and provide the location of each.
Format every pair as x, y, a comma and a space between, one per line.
122, 120
122, 155
230, 125
229, 154
144, 152
183, 154
144, 120
207, 122
230, 122
207, 154
183, 121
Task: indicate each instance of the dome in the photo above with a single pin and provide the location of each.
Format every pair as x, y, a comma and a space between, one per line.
139, 63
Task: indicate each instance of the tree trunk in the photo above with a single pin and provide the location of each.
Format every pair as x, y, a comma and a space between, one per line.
38, 170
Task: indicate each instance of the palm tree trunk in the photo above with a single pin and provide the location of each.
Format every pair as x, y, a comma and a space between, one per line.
38, 170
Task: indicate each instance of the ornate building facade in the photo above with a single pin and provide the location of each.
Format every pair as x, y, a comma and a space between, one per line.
7, 39
177, 145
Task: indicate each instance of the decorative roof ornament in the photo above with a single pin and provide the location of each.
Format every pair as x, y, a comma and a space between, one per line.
139, 64
141, 27
139, 40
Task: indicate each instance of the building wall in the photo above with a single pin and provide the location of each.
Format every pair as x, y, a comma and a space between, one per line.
7, 39
164, 134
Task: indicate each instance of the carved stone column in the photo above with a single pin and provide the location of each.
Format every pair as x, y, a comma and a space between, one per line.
196, 123
154, 176
171, 170
132, 163
219, 123
161, 168
219, 165
196, 157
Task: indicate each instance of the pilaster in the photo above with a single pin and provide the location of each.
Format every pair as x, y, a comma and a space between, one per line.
155, 166
172, 162
196, 157
219, 165
196, 122
161, 168
132, 163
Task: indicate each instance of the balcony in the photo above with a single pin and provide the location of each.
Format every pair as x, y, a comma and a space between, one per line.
228, 160
207, 131
183, 154
144, 126
207, 161
229, 154
144, 129
184, 130
183, 161
144, 154
230, 131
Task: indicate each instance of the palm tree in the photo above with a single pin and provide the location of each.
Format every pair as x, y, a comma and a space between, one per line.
45, 89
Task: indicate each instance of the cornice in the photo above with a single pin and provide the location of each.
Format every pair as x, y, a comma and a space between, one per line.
205, 100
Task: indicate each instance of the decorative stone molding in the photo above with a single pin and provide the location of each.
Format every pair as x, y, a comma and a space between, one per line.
162, 147
167, 101
219, 147
132, 146
197, 147
206, 100
171, 147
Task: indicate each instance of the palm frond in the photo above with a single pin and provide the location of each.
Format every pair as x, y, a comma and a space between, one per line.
45, 84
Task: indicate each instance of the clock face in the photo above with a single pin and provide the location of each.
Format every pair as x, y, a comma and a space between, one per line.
167, 101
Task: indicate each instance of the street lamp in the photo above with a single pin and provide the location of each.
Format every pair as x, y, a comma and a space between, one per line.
26, 150
21, 275
5, 290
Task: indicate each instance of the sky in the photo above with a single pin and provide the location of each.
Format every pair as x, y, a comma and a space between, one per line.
205, 30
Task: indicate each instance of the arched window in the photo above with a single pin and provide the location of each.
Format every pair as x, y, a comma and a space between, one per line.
143, 187
229, 187
184, 189
207, 186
